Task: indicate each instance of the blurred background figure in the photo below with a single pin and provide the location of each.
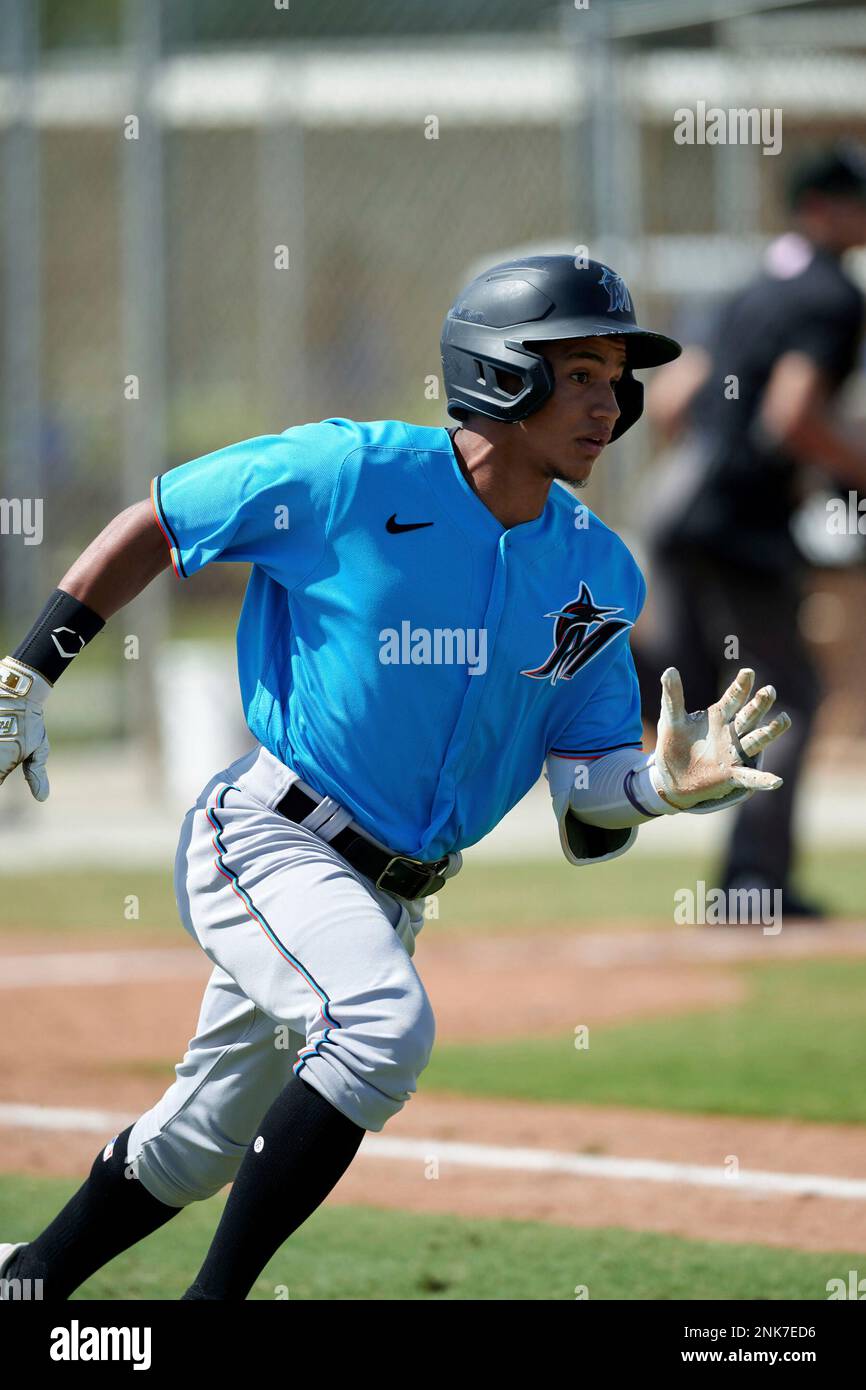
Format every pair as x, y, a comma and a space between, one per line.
748, 408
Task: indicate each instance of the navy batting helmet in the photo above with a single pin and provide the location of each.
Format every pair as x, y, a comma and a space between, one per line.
539, 299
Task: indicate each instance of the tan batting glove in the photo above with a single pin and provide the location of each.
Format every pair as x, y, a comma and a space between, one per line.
22, 731
700, 757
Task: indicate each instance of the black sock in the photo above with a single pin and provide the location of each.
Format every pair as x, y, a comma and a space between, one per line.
302, 1148
107, 1215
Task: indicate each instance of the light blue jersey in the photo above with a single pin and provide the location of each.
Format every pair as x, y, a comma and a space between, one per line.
398, 648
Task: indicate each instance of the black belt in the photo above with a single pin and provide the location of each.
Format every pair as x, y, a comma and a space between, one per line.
396, 873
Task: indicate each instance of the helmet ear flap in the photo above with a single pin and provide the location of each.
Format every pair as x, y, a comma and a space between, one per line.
472, 371
507, 381
629, 398
538, 383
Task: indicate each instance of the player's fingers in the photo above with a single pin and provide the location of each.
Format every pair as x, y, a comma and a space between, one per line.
755, 780
753, 713
673, 705
759, 739
734, 697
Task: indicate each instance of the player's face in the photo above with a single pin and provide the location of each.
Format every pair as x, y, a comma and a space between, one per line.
574, 425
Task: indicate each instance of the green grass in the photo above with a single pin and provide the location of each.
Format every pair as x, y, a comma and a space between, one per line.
485, 897
77, 900
794, 1047
545, 893
360, 1253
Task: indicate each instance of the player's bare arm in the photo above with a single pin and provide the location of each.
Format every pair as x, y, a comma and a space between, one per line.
122, 560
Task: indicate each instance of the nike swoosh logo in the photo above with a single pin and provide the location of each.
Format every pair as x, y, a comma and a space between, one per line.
393, 526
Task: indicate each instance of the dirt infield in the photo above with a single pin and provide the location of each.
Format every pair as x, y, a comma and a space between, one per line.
98, 1027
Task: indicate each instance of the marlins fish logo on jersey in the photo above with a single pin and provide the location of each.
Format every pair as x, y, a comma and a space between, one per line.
619, 299
583, 629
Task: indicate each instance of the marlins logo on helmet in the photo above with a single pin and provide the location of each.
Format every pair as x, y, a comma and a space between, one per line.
619, 299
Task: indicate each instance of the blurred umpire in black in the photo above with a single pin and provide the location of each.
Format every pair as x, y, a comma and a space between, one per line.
747, 412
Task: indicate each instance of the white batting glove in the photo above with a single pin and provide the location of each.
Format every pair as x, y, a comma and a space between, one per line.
22, 731
700, 757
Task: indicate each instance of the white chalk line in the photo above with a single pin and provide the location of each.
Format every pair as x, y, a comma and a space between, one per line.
493, 1157
99, 967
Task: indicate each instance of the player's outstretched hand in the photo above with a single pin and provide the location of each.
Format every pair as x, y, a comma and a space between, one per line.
22, 730
700, 757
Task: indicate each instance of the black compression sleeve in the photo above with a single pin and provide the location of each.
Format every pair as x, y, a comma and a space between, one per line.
62, 630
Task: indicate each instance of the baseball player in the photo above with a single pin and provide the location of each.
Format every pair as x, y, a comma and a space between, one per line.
431, 621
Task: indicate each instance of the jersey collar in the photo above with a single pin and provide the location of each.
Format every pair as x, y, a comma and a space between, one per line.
446, 478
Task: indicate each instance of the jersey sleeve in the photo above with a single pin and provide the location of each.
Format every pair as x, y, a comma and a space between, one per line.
610, 719
829, 335
265, 500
